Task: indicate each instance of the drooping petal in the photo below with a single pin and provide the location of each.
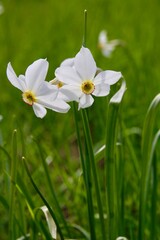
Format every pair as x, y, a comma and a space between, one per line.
58, 105
101, 90
108, 77
39, 110
15, 81
36, 74
68, 75
85, 101
84, 64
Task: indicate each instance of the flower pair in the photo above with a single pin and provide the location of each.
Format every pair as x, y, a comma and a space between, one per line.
78, 80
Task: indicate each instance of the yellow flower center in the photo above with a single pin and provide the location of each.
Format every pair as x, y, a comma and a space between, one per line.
55, 81
29, 97
59, 84
87, 87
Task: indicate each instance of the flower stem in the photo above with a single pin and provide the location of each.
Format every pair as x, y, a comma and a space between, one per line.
113, 217
87, 177
110, 174
93, 167
85, 28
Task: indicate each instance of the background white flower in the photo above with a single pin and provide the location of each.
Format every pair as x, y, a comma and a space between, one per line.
1, 8
37, 92
82, 81
106, 46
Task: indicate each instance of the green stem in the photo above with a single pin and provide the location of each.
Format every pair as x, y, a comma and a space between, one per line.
85, 28
94, 169
113, 218
110, 173
87, 178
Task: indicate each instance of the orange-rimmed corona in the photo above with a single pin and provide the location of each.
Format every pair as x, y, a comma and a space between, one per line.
29, 97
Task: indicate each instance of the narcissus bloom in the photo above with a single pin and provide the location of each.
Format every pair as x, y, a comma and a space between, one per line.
37, 92
106, 46
82, 80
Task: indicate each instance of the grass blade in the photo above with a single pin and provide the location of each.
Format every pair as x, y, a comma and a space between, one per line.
13, 187
44, 200
49, 184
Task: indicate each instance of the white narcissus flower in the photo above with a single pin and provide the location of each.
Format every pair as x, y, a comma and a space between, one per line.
106, 46
82, 81
37, 92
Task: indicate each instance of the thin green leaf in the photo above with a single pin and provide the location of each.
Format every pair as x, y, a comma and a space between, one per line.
51, 189
44, 200
13, 188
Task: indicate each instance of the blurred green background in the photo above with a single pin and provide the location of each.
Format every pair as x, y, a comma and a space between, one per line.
51, 29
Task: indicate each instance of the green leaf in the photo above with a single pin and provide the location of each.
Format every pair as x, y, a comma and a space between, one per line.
147, 157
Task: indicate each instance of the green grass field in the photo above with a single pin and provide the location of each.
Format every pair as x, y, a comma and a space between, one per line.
35, 29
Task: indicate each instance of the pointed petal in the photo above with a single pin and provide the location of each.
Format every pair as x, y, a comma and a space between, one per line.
85, 101
36, 74
68, 62
39, 110
85, 64
13, 78
101, 90
108, 77
68, 75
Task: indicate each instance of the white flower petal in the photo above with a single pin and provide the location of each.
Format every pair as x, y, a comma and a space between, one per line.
102, 38
68, 75
36, 74
108, 77
60, 106
107, 50
85, 64
15, 81
117, 97
73, 93
68, 62
85, 101
47, 90
57, 105
101, 90
39, 110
